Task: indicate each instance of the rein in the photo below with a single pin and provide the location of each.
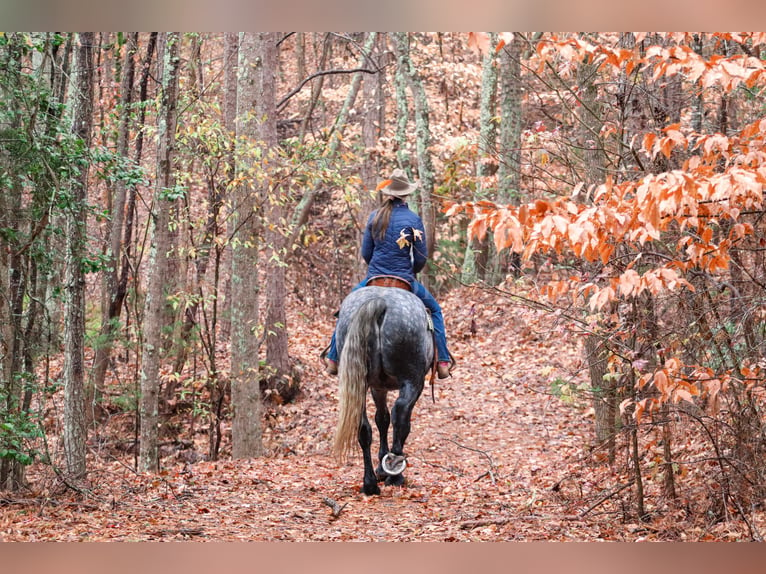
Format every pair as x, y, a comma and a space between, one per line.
433, 374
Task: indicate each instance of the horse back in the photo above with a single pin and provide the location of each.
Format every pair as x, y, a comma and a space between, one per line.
400, 344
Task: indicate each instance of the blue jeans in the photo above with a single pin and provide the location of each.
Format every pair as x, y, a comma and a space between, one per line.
436, 317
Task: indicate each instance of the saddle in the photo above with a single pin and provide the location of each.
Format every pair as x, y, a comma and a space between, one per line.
389, 281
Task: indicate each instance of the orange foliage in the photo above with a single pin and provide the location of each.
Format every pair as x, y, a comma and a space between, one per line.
696, 213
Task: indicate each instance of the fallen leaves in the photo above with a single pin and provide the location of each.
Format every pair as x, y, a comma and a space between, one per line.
497, 457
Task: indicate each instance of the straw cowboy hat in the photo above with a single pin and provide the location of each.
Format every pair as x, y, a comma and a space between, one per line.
397, 185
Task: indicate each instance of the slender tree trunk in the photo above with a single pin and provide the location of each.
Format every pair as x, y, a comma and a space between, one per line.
63, 63
154, 309
509, 168
277, 357
11, 293
698, 105
129, 260
602, 393
231, 55
245, 389
373, 124
75, 427
112, 302
475, 260
402, 106
422, 142
300, 54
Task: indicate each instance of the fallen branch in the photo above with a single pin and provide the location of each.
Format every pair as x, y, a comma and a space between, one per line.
336, 508
470, 524
189, 531
86, 506
606, 497
489, 459
451, 469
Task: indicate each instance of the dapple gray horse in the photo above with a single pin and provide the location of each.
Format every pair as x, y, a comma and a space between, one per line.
385, 341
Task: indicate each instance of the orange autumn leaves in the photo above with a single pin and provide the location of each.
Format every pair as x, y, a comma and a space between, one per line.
647, 235
696, 214
727, 72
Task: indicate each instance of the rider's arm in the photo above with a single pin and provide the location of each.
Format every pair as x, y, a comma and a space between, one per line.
368, 244
419, 247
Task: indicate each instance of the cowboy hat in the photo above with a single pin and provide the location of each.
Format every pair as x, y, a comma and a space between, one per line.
398, 185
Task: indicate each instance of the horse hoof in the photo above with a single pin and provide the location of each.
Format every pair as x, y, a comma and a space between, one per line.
370, 490
397, 480
393, 464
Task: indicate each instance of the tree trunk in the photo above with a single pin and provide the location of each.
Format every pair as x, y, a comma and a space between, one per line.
278, 378
509, 168
475, 260
300, 54
402, 106
422, 143
231, 56
246, 431
11, 295
154, 307
111, 300
602, 393
373, 125
75, 427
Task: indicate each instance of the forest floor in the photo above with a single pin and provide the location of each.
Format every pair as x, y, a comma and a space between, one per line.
503, 453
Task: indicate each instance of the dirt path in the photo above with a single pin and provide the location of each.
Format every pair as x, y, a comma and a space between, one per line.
496, 457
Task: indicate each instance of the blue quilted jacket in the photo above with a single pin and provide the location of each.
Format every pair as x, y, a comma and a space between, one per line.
387, 257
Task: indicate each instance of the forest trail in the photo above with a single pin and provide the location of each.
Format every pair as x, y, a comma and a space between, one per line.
497, 456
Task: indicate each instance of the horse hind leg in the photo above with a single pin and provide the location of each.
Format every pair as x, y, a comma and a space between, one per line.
401, 414
370, 482
382, 421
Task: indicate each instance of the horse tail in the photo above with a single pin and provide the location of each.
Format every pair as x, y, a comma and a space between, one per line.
352, 374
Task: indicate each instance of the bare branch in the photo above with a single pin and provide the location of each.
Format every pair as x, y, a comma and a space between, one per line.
297, 89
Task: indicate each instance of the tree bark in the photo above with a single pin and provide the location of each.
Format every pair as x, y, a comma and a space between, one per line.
75, 427
154, 308
509, 168
231, 55
422, 144
602, 393
246, 430
111, 299
475, 259
277, 358
402, 107
373, 125
11, 472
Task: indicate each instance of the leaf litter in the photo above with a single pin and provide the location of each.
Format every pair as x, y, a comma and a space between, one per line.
501, 454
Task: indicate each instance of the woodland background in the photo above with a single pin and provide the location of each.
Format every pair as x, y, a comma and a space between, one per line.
181, 215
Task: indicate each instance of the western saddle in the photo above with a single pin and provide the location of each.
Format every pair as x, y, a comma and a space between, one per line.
389, 281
